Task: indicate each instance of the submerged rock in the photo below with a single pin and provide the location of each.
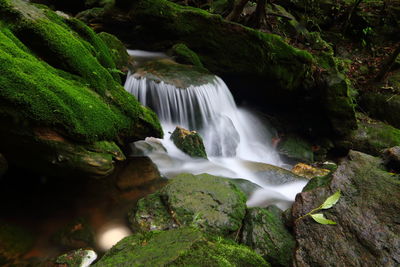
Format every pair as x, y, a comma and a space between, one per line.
366, 214
179, 247
58, 74
212, 203
190, 142
265, 232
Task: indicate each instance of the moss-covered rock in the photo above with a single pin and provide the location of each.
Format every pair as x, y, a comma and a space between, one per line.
170, 72
373, 136
180, 247
15, 242
265, 232
118, 51
296, 149
366, 216
189, 142
212, 203
80, 257
184, 55
57, 73
382, 106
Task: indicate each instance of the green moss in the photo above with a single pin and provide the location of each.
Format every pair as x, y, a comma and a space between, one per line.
86, 103
296, 148
189, 142
223, 47
212, 203
180, 247
118, 51
184, 55
265, 232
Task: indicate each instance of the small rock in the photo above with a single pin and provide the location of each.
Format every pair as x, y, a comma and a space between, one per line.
308, 171
189, 142
80, 257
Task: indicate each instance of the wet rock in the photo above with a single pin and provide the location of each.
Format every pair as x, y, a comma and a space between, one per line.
136, 172
245, 186
80, 257
3, 165
392, 158
265, 232
179, 247
308, 171
210, 202
147, 146
272, 175
296, 149
366, 214
373, 136
189, 142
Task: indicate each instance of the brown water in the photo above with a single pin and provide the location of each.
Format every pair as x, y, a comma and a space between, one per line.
44, 206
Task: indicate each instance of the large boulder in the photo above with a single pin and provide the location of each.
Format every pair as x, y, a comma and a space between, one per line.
366, 214
212, 203
180, 247
372, 136
58, 74
265, 232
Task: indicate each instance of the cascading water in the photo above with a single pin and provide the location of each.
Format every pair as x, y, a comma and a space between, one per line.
236, 140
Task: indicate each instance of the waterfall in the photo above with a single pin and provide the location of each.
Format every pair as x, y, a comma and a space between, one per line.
235, 139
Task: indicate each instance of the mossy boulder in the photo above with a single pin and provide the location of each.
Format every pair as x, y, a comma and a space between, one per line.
15, 241
190, 142
212, 203
182, 54
118, 51
179, 247
58, 74
382, 106
373, 136
265, 232
366, 233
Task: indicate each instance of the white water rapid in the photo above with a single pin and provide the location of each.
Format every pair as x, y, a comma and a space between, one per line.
238, 144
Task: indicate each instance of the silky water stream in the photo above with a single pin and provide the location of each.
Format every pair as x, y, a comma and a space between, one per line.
237, 142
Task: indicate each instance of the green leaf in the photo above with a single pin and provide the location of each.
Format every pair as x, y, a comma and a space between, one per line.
330, 201
319, 218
